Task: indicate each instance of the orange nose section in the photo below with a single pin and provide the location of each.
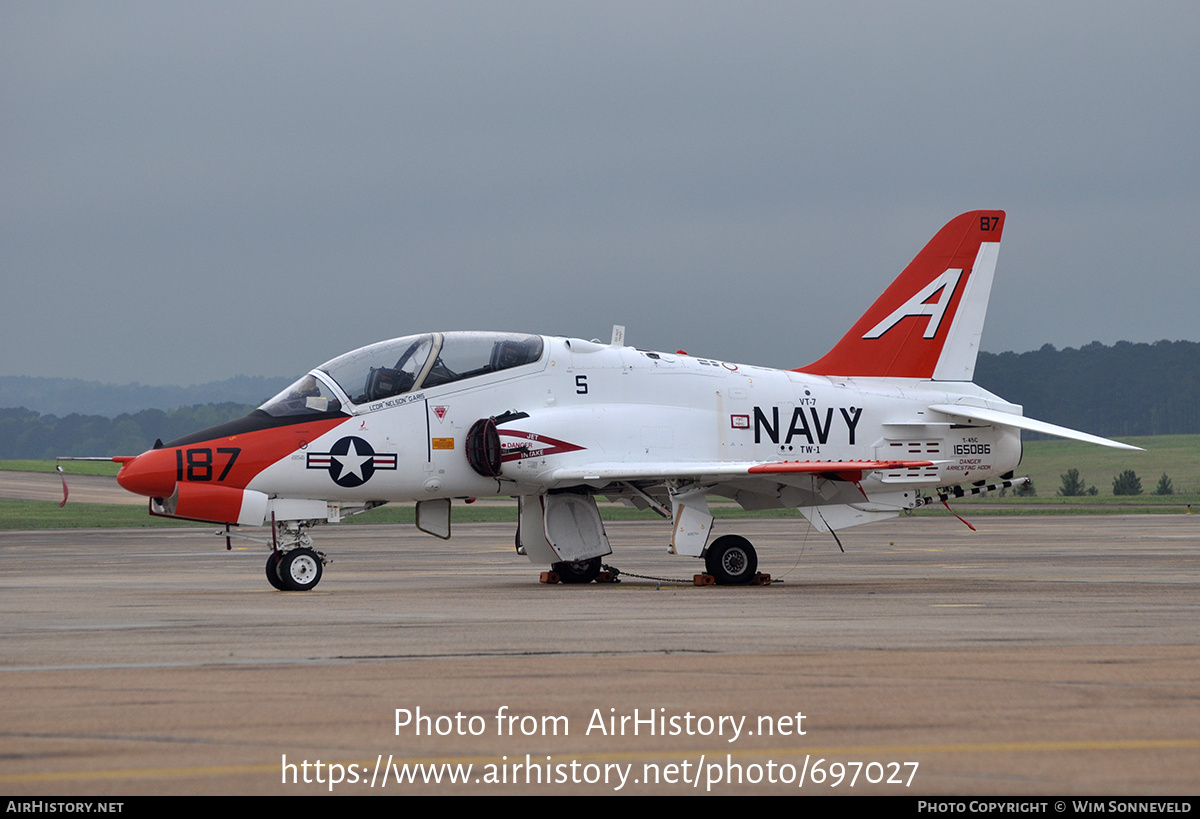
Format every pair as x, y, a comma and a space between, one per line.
151, 474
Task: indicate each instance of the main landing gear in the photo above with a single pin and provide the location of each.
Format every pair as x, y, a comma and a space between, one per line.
731, 560
577, 571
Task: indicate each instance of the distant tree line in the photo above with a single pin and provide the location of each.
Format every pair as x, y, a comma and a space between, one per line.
1127, 483
63, 396
27, 434
1126, 389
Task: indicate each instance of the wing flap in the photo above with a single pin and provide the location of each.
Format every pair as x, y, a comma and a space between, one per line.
843, 470
823, 467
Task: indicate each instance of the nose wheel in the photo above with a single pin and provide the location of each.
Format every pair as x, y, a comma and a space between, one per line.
300, 569
292, 565
297, 570
273, 576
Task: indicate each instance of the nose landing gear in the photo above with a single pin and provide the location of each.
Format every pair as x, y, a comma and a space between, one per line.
294, 566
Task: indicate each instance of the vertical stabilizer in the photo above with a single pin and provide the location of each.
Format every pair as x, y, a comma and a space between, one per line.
928, 323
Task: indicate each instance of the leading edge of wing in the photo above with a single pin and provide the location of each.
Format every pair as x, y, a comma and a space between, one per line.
991, 416
845, 470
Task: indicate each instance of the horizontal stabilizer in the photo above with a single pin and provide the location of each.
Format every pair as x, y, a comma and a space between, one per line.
1008, 419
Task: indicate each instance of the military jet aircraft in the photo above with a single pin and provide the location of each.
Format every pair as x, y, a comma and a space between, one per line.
887, 421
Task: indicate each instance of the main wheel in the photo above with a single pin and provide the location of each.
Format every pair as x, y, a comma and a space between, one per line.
273, 577
731, 560
577, 571
300, 569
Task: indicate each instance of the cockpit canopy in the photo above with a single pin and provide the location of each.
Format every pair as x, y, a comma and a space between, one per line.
401, 365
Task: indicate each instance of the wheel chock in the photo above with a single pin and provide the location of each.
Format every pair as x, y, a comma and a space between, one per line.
607, 577
760, 579
550, 577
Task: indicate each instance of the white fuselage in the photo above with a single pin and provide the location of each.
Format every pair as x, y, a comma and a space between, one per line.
586, 406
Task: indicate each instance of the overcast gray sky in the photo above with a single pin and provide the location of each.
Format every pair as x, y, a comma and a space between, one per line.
190, 191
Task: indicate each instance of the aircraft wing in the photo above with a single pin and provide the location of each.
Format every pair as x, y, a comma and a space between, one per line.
1008, 419
724, 470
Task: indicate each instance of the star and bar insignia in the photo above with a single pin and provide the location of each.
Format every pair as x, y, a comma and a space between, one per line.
351, 461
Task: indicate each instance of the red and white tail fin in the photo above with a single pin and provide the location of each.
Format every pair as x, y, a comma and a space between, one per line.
928, 323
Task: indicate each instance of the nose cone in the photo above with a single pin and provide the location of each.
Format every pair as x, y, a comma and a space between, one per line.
151, 474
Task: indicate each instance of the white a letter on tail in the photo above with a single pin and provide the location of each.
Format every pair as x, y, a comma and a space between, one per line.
918, 306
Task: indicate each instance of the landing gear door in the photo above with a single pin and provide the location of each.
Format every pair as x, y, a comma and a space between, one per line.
573, 527
433, 517
531, 534
693, 522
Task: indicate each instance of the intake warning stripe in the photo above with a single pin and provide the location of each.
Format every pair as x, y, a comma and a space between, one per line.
521, 445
